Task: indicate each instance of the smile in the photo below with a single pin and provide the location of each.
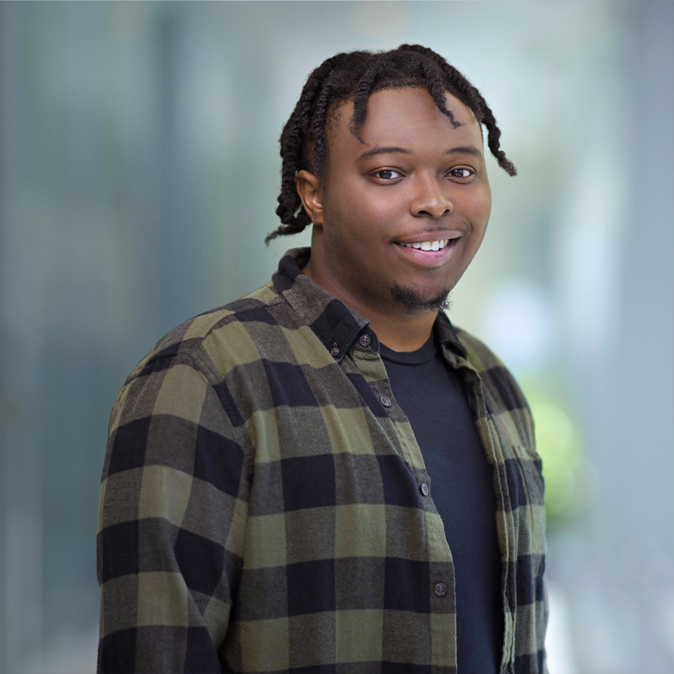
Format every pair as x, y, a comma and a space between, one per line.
427, 245
433, 253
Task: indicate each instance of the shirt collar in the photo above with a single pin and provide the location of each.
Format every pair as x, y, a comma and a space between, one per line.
335, 324
448, 336
332, 321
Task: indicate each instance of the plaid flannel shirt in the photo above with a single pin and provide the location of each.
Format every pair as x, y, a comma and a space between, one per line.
262, 507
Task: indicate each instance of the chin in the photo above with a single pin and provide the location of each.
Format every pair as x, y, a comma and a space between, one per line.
414, 301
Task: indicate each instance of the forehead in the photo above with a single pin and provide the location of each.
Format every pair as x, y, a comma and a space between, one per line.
402, 117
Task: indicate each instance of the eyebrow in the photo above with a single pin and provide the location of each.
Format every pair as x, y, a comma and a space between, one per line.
466, 149
383, 150
375, 151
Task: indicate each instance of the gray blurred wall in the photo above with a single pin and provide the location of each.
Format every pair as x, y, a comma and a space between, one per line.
138, 177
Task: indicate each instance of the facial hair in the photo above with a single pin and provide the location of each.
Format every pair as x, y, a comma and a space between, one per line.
414, 303
377, 290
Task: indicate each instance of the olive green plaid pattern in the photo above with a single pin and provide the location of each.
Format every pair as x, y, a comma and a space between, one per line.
261, 510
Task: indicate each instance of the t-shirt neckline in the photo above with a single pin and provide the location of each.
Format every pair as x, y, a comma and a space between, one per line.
418, 357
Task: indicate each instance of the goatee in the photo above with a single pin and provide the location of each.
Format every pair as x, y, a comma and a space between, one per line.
414, 303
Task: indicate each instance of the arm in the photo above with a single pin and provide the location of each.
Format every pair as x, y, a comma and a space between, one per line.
172, 516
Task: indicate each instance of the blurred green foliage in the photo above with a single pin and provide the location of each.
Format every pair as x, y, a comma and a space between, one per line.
566, 469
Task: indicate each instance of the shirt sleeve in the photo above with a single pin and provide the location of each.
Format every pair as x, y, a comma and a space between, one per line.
172, 513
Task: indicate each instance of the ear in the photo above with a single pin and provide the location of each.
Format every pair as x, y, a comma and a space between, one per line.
311, 193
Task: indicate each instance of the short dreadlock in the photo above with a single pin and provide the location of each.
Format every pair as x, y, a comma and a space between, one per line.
355, 76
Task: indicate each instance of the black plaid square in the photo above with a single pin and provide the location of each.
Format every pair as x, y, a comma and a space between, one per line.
218, 460
308, 482
407, 585
200, 561
311, 587
288, 385
129, 445
119, 550
400, 485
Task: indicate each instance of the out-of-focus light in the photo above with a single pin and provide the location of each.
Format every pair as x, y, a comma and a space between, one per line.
517, 324
560, 653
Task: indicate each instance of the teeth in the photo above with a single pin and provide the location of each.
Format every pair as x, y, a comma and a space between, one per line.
427, 245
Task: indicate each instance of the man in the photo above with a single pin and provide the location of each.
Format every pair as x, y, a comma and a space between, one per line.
326, 476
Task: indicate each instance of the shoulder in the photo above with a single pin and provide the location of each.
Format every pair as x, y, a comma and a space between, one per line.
501, 388
487, 363
479, 354
217, 340
188, 367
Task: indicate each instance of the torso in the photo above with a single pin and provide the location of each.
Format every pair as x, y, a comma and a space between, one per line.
431, 395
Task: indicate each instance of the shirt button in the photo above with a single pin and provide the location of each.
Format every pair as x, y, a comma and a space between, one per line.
423, 488
440, 589
365, 340
334, 351
386, 402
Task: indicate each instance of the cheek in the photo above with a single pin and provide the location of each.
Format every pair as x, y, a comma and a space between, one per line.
478, 208
355, 216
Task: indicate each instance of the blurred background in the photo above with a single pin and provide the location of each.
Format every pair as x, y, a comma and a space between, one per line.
139, 171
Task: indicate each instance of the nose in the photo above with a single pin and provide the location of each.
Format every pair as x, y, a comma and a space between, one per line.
431, 199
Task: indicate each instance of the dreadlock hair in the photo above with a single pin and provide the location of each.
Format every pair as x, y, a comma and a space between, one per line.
356, 76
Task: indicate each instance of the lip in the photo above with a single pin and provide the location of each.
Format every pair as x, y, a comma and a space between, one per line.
430, 236
428, 258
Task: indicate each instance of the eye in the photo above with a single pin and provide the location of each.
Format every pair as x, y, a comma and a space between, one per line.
461, 173
387, 174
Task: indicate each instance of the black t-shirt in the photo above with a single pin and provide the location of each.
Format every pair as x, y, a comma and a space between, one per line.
431, 394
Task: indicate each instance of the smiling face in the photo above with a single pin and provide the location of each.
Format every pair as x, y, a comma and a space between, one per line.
397, 220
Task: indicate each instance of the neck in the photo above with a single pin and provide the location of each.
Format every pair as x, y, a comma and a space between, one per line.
403, 333
399, 330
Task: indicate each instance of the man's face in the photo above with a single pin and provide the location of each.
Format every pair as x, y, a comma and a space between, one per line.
417, 183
